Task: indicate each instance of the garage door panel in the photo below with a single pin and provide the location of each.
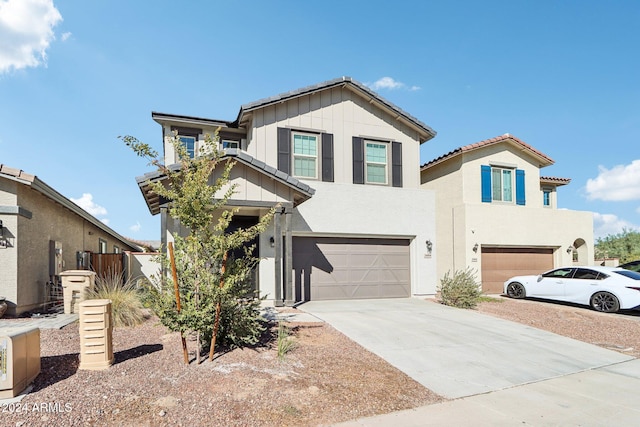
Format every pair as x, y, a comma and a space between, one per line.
499, 264
336, 268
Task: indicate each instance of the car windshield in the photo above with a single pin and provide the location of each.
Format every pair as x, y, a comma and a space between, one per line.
628, 273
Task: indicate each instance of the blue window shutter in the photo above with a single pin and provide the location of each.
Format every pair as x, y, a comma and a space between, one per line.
520, 193
485, 174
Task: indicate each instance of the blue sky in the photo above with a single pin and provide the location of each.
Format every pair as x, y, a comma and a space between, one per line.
563, 76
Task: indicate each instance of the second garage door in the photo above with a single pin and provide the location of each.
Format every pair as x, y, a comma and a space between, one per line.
499, 264
341, 268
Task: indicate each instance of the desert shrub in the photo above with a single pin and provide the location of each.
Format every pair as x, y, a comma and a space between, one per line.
126, 305
285, 342
459, 290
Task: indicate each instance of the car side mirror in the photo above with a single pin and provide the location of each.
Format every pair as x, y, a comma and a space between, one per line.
539, 277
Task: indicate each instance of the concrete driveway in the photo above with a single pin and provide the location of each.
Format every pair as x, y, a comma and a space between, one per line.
458, 353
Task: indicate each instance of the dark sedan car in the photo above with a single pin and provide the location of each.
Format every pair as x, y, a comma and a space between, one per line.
633, 266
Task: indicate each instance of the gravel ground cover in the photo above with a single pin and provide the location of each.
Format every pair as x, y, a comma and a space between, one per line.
325, 379
619, 332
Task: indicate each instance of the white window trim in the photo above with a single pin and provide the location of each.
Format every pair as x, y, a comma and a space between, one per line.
386, 164
306, 156
513, 185
233, 141
195, 144
102, 244
550, 191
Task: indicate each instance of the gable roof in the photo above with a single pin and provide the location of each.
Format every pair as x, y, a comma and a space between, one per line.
542, 158
153, 200
425, 132
35, 183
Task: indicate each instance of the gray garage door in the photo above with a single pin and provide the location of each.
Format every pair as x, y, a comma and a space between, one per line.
499, 264
340, 268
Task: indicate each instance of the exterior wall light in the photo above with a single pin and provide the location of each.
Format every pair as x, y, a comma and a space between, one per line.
475, 248
570, 249
272, 242
429, 246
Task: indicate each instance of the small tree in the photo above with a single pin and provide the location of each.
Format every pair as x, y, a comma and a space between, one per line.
213, 285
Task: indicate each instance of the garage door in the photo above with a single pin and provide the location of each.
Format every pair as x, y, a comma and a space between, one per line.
499, 264
340, 268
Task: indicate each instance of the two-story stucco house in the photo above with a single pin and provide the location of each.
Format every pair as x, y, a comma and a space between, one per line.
344, 165
498, 216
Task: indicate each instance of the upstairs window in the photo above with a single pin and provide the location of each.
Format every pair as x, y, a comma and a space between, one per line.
546, 197
229, 143
376, 163
502, 185
189, 143
498, 184
305, 155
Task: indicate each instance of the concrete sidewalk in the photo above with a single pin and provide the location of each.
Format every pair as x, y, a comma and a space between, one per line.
54, 321
458, 353
601, 397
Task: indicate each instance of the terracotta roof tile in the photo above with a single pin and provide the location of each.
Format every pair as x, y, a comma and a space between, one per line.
16, 173
487, 142
554, 180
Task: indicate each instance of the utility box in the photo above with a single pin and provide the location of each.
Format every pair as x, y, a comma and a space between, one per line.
96, 330
19, 359
75, 284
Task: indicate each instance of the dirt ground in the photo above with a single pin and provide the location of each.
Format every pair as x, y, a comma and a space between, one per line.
325, 379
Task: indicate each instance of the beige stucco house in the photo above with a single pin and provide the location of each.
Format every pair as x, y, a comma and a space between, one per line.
497, 215
343, 164
41, 232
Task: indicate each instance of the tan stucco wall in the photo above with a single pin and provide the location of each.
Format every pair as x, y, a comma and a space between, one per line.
30, 264
462, 220
8, 253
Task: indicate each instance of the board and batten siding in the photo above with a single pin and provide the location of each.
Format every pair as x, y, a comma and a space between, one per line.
343, 114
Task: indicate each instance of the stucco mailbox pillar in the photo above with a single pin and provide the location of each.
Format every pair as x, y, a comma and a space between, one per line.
96, 330
75, 284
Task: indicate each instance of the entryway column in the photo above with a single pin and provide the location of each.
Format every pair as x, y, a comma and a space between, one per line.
277, 237
289, 297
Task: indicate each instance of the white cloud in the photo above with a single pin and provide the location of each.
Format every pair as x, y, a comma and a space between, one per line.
135, 227
86, 202
65, 36
105, 221
620, 183
390, 84
26, 30
609, 224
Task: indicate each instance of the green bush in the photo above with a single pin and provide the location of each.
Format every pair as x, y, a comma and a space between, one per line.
461, 290
126, 306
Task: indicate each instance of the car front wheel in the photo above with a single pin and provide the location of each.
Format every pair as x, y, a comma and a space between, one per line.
605, 302
515, 290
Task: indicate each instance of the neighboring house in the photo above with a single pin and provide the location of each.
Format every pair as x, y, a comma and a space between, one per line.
41, 232
499, 217
344, 165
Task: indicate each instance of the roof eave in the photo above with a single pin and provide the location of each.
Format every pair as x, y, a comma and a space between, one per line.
425, 132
